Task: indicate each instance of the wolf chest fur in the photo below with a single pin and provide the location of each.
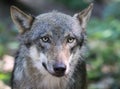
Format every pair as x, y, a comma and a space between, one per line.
52, 50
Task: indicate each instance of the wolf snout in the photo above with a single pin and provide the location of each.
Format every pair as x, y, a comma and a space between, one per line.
59, 69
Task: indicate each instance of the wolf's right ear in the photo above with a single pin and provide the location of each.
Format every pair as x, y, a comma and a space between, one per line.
84, 15
22, 20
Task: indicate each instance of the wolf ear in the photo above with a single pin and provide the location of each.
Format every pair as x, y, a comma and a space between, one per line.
84, 15
22, 20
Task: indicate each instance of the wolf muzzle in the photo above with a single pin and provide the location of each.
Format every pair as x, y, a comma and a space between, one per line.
58, 68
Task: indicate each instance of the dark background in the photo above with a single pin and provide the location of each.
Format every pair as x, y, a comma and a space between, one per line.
103, 62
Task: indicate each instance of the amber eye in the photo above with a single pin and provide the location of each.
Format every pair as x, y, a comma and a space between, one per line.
45, 39
70, 40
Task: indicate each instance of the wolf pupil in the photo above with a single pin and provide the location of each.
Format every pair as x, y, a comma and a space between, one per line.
70, 40
45, 39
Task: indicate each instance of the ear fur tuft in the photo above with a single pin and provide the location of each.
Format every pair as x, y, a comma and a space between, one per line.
84, 15
21, 19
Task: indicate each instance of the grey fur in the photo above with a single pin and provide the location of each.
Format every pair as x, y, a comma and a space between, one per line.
59, 28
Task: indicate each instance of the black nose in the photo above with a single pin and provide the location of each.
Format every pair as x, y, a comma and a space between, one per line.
59, 69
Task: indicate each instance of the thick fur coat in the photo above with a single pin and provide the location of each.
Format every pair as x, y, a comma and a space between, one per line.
52, 50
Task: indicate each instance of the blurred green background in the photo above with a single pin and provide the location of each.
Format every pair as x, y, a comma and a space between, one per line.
103, 62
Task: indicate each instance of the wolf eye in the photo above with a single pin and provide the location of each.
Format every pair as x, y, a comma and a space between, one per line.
45, 39
70, 40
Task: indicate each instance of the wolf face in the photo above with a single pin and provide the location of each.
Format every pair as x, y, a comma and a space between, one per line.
53, 42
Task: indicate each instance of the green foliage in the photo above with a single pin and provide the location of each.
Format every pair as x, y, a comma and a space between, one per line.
104, 44
74, 4
2, 50
112, 10
7, 38
5, 77
108, 29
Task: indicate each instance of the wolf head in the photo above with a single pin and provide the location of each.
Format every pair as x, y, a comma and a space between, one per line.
54, 41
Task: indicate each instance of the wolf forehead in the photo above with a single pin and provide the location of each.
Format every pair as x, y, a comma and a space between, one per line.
52, 23
55, 23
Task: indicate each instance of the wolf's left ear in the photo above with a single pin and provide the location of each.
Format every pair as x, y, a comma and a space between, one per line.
22, 20
84, 15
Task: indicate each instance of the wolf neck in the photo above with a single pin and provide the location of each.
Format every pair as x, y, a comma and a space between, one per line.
51, 82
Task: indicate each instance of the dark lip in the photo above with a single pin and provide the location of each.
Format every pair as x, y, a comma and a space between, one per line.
58, 75
44, 65
54, 74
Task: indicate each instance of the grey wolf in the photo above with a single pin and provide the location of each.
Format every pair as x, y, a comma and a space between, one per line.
52, 50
